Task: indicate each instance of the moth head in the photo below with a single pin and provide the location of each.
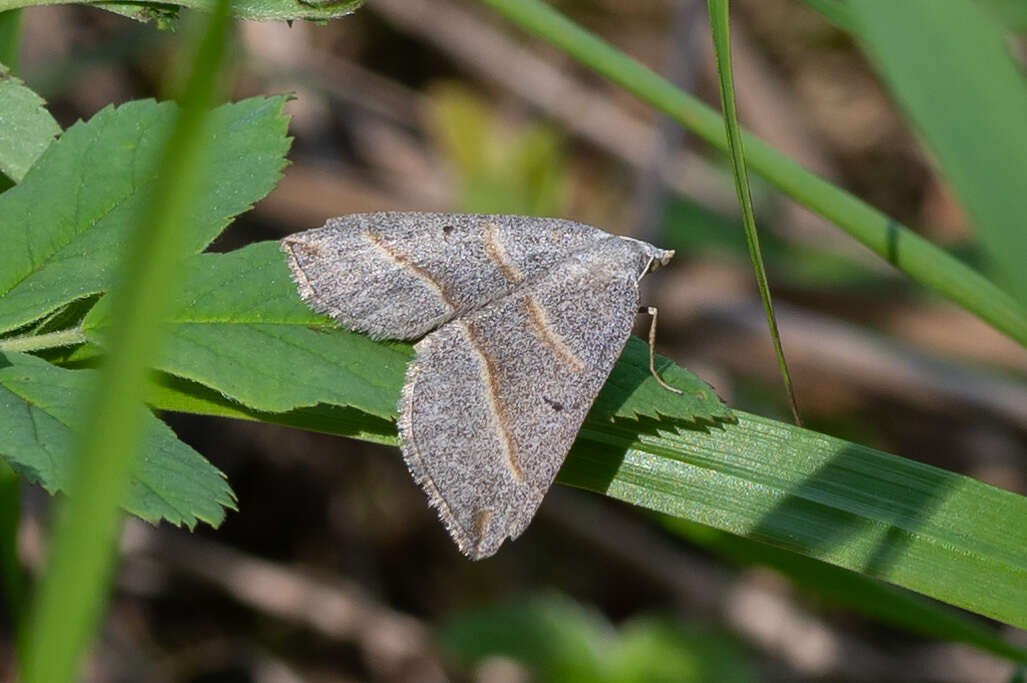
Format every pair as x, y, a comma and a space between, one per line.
655, 257
661, 257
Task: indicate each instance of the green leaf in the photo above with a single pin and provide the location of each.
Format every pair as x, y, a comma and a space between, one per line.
63, 227
39, 416
26, 127
240, 327
262, 10
167, 392
164, 15
969, 101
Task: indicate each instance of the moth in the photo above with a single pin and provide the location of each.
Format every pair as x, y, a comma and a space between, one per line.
520, 322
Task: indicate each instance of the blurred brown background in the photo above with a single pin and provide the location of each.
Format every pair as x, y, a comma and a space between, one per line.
334, 568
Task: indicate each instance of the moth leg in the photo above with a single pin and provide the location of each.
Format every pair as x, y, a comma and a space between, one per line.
653, 311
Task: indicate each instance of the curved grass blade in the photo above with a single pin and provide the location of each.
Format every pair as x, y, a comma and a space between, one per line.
892, 241
932, 531
720, 28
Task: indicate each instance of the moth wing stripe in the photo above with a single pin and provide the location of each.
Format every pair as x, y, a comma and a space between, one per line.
497, 254
544, 331
416, 270
488, 376
481, 525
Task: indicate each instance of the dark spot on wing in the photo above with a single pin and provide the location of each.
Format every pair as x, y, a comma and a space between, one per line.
555, 405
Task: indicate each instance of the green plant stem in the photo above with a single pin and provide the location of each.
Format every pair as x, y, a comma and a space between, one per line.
720, 28
10, 34
71, 596
10, 513
894, 242
50, 340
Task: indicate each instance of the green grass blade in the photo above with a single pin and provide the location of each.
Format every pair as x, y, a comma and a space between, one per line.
969, 101
71, 595
919, 527
720, 28
918, 258
932, 531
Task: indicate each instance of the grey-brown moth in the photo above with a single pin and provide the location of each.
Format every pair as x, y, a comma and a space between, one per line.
522, 320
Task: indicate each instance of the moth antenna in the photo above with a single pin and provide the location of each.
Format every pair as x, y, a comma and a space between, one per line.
645, 271
653, 311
